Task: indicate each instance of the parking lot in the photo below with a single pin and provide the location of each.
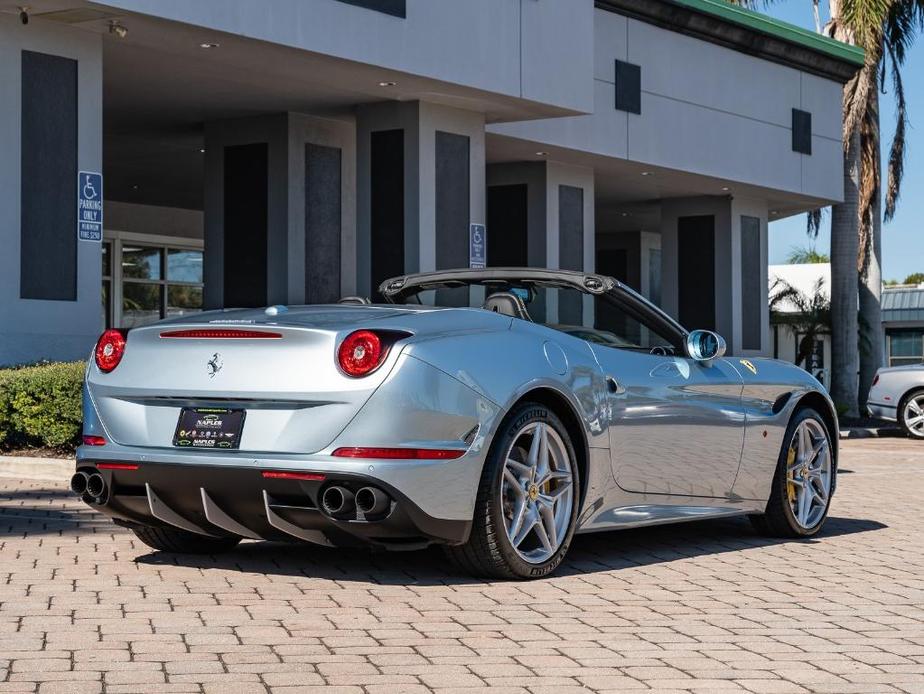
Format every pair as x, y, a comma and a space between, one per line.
707, 606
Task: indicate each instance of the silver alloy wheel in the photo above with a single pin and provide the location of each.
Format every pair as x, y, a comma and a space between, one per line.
537, 492
914, 415
808, 473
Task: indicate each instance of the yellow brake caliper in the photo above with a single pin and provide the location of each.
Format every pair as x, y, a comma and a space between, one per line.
790, 487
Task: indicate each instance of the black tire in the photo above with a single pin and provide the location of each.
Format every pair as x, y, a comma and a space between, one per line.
779, 520
183, 542
909, 432
489, 552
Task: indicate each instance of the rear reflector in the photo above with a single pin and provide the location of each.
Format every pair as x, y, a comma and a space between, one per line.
93, 440
282, 475
218, 334
400, 453
116, 466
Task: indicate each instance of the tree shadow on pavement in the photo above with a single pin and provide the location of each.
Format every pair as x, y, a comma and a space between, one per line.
37, 511
597, 552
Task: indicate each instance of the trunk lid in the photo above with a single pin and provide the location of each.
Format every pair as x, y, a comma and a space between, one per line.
295, 398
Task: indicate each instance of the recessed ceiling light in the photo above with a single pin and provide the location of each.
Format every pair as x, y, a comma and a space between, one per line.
646, 173
209, 45
773, 212
542, 154
725, 188
202, 150
388, 84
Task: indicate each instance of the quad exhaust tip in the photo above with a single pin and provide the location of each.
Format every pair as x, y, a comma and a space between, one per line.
338, 502
372, 502
96, 485
79, 483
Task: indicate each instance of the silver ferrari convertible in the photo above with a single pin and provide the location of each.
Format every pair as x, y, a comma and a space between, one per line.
496, 412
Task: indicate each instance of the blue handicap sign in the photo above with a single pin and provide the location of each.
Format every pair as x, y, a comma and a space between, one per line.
477, 246
89, 206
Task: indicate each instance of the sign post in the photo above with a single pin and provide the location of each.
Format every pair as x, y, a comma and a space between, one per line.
477, 246
89, 206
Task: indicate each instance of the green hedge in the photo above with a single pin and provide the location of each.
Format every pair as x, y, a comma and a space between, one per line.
40, 405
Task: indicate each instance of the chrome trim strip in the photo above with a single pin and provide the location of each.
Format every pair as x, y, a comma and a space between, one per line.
161, 511
216, 516
313, 536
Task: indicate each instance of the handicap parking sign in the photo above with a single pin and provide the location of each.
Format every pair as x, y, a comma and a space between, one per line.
89, 206
477, 246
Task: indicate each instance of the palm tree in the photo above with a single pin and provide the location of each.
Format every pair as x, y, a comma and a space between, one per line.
885, 30
802, 255
811, 318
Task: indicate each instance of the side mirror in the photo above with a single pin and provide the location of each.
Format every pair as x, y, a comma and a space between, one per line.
705, 346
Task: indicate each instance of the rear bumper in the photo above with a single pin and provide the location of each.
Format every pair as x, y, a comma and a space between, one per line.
225, 500
880, 411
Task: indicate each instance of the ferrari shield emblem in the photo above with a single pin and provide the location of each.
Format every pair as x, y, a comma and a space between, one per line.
749, 365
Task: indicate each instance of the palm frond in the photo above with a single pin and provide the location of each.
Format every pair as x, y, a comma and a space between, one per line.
896, 167
813, 222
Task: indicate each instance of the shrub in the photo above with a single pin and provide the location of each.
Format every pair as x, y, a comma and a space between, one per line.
40, 405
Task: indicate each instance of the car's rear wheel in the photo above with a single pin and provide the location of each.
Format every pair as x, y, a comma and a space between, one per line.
527, 504
804, 480
183, 542
911, 414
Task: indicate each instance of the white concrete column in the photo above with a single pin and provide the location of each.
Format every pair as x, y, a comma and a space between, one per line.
428, 155
61, 325
739, 304
309, 227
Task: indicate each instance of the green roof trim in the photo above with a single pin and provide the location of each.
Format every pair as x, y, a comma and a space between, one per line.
774, 27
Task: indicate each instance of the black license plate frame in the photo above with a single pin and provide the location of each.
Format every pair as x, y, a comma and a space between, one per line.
209, 428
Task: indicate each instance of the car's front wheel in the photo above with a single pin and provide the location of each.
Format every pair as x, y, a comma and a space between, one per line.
911, 414
804, 481
183, 542
527, 504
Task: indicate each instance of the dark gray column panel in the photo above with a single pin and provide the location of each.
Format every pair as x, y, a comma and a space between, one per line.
245, 220
322, 224
48, 199
386, 216
570, 248
508, 225
452, 184
751, 294
570, 228
696, 272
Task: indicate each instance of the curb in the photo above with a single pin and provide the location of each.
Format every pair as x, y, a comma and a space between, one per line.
869, 432
49, 469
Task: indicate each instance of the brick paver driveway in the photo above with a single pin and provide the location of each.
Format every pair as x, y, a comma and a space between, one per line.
708, 606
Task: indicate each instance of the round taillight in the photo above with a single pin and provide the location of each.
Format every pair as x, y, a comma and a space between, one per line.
109, 350
361, 353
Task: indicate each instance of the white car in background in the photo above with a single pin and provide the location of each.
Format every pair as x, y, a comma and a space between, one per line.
898, 396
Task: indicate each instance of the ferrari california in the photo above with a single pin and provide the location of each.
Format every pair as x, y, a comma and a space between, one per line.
495, 412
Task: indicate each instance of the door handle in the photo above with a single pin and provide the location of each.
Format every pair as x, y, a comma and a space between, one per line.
613, 386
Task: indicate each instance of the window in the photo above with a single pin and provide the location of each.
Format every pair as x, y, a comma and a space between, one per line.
149, 279
906, 347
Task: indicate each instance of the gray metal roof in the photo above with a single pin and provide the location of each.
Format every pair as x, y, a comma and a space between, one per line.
901, 304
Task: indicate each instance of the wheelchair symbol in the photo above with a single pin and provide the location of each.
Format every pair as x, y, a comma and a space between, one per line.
89, 192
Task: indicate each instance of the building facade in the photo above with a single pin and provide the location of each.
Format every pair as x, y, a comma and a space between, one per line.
161, 157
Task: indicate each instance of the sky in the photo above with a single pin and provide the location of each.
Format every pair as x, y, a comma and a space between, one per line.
903, 237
